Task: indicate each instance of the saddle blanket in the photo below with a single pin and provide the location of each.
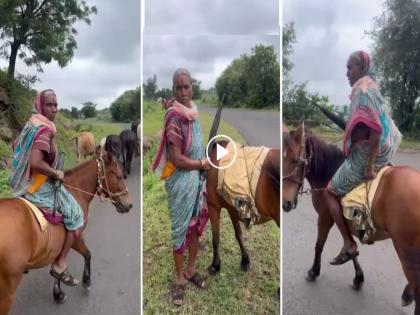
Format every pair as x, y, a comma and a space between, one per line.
357, 206
237, 183
43, 223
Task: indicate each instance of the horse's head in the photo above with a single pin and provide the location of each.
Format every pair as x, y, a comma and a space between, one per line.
294, 166
110, 180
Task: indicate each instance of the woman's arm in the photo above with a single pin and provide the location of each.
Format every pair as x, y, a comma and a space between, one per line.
37, 163
374, 139
185, 163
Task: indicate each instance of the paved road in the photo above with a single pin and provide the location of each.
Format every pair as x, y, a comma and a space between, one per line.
114, 240
257, 127
331, 292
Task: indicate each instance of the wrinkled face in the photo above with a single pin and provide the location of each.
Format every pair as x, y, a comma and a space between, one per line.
292, 169
115, 184
354, 71
182, 89
50, 106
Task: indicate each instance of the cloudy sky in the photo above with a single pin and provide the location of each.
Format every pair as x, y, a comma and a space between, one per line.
204, 36
107, 61
327, 32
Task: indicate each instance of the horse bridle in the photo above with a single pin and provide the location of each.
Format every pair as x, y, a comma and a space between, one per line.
303, 162
101, 191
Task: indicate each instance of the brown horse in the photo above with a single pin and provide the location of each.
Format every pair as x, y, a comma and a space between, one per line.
267, 200
24, 246
395, 211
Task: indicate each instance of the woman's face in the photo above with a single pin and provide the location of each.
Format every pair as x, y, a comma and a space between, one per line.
50, 106
354, 71
182, 89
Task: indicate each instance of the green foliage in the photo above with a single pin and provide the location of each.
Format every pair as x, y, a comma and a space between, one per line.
196, 88
40, 31
164, 93
75, 113
150, 88
397, 56
288, 39
251, 80
88, 110
126, 107
4, 184
20, 100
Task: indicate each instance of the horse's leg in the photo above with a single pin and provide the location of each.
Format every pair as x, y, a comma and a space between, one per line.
359, 278
8, 285
214, 215
245, 262
325, 222
58, 294
407, 296
80, 247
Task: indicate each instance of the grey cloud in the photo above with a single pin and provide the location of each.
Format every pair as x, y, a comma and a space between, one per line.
205, 56
212, 17
327, 32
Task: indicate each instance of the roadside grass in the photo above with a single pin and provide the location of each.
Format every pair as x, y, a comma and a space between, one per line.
232, 290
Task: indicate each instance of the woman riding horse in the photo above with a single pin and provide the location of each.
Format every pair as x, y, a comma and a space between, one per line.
33, 167
370, 141
179, 161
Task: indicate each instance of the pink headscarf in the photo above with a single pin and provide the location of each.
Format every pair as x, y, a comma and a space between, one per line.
38, 117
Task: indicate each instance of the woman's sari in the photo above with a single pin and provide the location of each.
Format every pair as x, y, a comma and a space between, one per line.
186, 191
366, 107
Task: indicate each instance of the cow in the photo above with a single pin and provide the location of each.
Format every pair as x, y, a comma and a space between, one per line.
84, 144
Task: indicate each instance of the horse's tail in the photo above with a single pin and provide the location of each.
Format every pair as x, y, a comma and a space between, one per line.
273, 171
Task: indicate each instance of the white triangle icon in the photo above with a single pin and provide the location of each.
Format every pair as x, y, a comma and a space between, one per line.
220, 151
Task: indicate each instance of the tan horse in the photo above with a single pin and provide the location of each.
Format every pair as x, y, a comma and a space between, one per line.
267, 200
24, 246
395, 207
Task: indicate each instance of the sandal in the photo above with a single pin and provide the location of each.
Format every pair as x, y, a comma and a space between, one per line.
344, 257
177, 294
65, 277
197, 280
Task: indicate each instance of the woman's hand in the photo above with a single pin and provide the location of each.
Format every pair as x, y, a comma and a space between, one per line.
59, 175
205, 164
369, 172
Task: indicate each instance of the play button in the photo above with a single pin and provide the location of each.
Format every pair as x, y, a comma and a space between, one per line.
220, 151
225, 151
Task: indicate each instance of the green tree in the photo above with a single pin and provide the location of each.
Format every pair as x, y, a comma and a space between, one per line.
74, 113
196, 88
288, 39
40, 31
126, 107
397, 59
150, 88
88, 110
164, 93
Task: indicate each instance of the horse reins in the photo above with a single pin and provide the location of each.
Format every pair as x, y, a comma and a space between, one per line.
101, 192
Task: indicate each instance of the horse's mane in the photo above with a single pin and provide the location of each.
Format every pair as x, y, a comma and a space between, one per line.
77, 168
326, 159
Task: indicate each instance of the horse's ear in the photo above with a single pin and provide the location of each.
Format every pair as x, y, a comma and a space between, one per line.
98, 149
298, 135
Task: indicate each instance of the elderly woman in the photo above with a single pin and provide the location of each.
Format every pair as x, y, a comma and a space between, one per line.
179, 161
33, 170
370, 140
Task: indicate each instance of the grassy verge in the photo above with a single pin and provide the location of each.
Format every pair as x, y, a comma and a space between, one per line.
232, 291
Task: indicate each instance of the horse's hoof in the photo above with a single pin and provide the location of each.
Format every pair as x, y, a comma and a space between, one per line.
60, 297
311, 276
245, 265
213, 269
357, 285
406, 303
86, 284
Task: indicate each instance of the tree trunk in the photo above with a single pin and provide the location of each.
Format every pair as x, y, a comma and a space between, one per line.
12, 60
